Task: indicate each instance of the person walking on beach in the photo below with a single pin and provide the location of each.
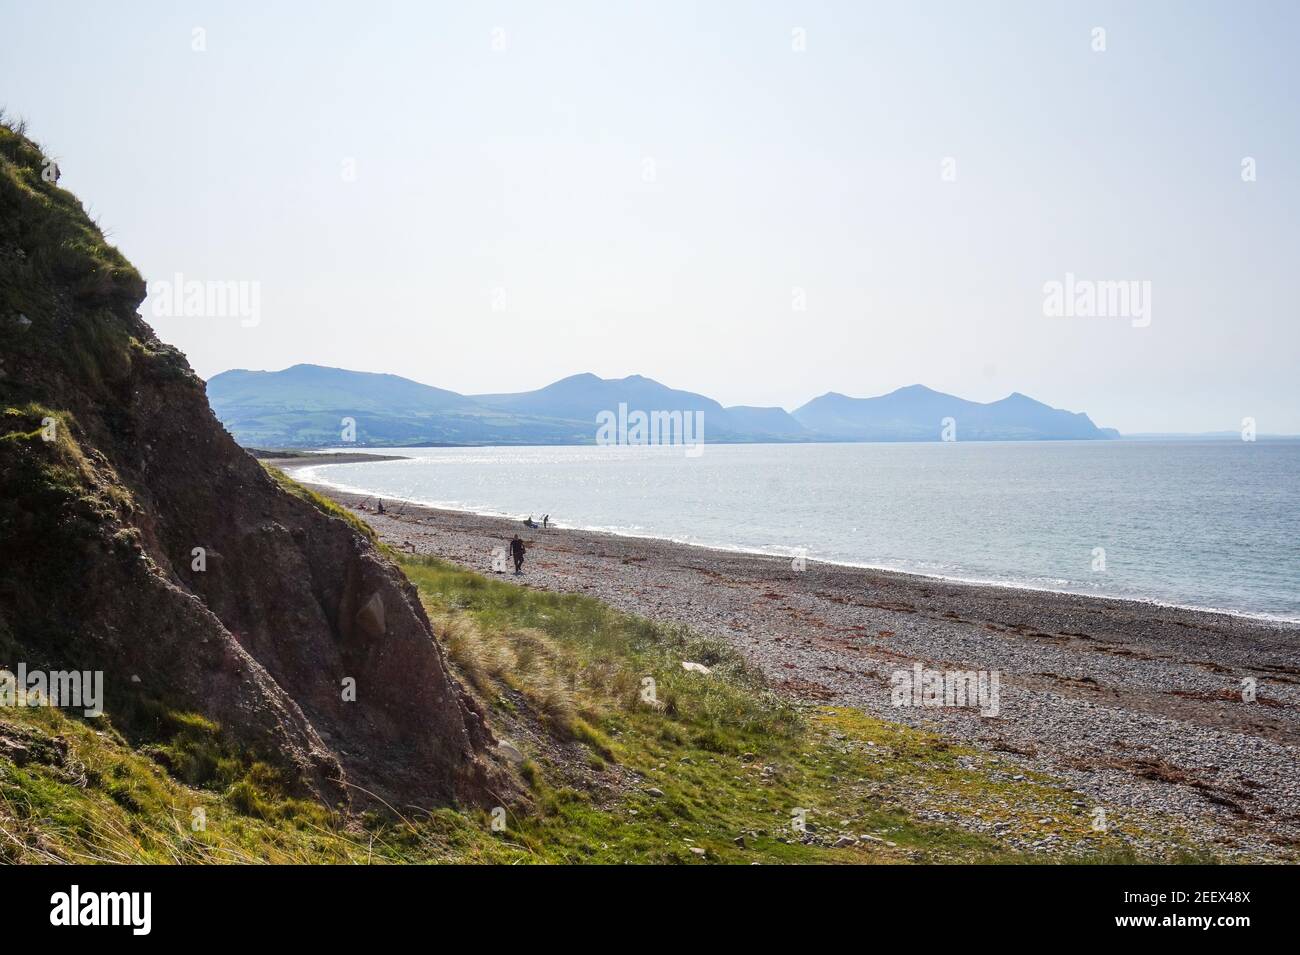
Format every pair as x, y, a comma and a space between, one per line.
517, 552
546, 520
379, 506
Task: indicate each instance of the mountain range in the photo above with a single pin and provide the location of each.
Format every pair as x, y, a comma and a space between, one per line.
304, 406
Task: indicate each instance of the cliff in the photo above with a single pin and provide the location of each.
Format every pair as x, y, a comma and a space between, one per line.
140, 540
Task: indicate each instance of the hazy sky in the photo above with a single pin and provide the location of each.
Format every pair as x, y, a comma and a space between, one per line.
641, 188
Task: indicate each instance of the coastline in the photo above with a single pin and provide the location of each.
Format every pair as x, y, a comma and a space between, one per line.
1138, 707
294, 465
311, 459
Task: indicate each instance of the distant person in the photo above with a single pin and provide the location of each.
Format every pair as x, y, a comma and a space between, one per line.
517, 552
546, 520
379, 507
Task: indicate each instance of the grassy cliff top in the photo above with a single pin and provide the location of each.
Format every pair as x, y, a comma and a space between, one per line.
61, 243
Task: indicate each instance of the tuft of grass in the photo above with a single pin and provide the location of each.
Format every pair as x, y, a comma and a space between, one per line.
578, 661
74, 791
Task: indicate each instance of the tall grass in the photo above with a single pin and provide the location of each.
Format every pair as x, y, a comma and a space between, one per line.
574, 657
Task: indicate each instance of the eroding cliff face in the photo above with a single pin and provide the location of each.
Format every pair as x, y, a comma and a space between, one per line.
137, 538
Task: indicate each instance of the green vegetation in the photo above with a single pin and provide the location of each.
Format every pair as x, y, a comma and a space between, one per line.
53, 501
73, 790
58, 239
720, 758
712, 770
83, 333
43, 463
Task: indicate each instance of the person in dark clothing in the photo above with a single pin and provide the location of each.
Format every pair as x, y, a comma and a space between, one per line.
379, 508
546, 520
517, 552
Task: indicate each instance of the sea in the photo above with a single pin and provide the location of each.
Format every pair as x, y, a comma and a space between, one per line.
1211, 524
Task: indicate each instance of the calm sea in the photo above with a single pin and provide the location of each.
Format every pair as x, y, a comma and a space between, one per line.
1212, 524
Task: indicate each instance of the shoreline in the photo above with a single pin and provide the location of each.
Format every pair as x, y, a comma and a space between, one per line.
292, 465
309, 459
1136, 708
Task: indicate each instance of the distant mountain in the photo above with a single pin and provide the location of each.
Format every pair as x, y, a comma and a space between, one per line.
582, 397
315, 388
917, 413
304, 406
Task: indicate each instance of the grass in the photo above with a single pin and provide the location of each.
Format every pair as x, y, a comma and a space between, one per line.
49, 224
53, 500
74, 791
712, 769
720, 758
69, 297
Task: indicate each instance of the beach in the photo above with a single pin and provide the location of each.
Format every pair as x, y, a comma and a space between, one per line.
1189, 715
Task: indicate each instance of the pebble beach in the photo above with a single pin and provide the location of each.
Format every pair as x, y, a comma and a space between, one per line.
1186, 714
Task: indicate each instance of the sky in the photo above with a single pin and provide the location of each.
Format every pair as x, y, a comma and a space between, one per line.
758, 201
